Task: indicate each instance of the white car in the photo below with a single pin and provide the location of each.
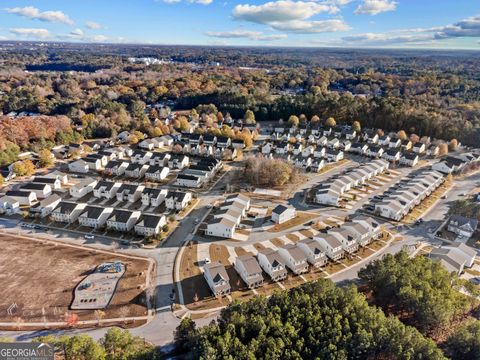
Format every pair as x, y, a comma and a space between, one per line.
89, 237
206, 261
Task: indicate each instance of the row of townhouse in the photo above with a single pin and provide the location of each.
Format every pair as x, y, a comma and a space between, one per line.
454, 164
228, 216
156, 142
294, 257
221, 142
196, 175
394, 155
330, 193
40, 189
97, 217
405, 195
317, 149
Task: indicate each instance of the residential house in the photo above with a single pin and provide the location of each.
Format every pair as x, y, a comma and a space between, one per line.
122, 220
115, 167
394, 143
334, 155
217, 278
82, 188
141, 157
93, 163
384, 140
190, 181
153, 196
9, 205
239, 144
331, 246
294, 258
106, 189
409, 159
359, 148
67, 212
462, 226
333, 143
433, 150
281, 214
272, 263
319, 152
58, 175
178, 162
54, 183
221, 227
45, 206
311, 248
156, 173
136, 170
159, 159
78, 166
346, 237
94, 216
41, 190
249, 270
103, 159
419, 148
392, 155
267, 148
177, 200
223, 142
374, 152
150, 225
129, 192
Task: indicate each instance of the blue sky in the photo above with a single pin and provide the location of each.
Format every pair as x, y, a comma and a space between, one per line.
342, 23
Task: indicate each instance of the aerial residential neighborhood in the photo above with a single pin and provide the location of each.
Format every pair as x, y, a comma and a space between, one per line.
259, 180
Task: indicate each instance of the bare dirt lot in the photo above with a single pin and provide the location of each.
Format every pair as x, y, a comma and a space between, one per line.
39, 277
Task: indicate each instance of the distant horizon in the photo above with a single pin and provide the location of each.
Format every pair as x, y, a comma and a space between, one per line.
253, 46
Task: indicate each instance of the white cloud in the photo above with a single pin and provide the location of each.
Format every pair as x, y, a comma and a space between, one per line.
469, 27
245, 34
34, 13
374, 7
93, 25
281, 11
31, 32
312, 27
77, 33
98, 38
291, 16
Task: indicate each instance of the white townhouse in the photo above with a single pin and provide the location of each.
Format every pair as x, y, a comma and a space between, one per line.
419, 148
94, 216
106, 189
150, 225
129, 192
319, 152
54, 183
58, 175
141, 157
115, 168
347, 238
221, 227
45, 206
78, 166
136, 171
409, 159
295, 259
82, 188
178, 161
394, 143
272, 263
159, 159
334, 155
153, 196
331, 246
189, 181
333, 143
249, 270
41, 190
359, 148
67, 212
9, 205
392, 155
177, 200
217, 278
122, 220
93, 163
157, 173
311, 248
281, 214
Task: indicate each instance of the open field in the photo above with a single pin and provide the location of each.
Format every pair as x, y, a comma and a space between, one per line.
39, 277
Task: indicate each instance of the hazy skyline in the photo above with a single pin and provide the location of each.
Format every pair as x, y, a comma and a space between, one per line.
337, 23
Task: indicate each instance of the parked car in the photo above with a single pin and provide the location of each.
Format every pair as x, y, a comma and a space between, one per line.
89, 237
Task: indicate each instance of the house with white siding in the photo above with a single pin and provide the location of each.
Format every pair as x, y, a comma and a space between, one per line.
311, 248
106, 189
331, 246
94, 216
157, 173
150, 225
295, 259
129, 192
115, 167
41, 190
123, 220
217, 278
82, 188
249, 270
153, 196
67, 212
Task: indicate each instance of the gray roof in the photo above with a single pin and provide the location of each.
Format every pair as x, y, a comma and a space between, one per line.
149, 221
120, 215
250, 264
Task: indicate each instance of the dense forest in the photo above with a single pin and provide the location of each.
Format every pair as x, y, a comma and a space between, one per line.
97, 87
